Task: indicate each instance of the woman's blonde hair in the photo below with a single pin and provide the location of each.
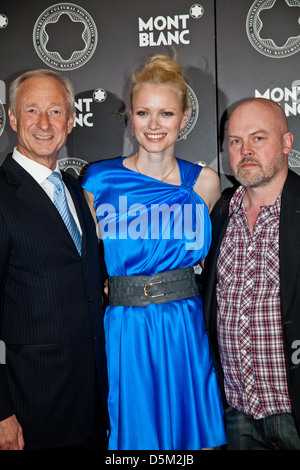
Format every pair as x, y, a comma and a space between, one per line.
161, 70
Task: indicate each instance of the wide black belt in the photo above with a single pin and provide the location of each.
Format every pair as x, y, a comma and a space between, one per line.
159, 288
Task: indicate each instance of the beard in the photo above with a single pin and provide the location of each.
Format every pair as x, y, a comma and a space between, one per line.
259, 175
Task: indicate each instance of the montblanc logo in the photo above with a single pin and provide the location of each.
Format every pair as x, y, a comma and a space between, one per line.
287, 97
71, 163
3, 21
193, 112
84, 108
53, 51
269, 38
167, 30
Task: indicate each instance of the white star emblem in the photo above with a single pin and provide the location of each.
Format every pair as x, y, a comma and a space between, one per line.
100, 95
196, 11
3, 20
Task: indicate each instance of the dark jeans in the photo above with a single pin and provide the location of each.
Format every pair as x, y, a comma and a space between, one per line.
275, 432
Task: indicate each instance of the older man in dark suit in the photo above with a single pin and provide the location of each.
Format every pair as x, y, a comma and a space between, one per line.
252, 285
53, 386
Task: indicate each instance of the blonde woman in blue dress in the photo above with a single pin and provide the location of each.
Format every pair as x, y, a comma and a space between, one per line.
152, 210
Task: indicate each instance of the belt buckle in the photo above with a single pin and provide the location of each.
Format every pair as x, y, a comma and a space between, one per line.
152, 284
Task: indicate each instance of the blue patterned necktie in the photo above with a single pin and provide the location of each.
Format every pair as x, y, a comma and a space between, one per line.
61, 204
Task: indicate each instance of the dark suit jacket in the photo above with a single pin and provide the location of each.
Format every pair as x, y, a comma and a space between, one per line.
289, 254
50, 313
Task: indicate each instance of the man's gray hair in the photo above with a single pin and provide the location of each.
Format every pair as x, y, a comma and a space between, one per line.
65, 82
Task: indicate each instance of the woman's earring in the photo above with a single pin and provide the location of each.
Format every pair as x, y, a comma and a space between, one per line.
184, 134
132, 131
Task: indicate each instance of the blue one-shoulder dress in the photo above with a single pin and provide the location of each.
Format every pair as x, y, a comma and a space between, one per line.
163, 392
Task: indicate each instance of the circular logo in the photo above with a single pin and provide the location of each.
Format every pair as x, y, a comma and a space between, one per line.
294, 159
268, 47
41, 38
99, 95
2, 118
196, 11
193, 113
75, 164
3, 21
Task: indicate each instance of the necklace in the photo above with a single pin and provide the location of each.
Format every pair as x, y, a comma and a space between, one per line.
135, 157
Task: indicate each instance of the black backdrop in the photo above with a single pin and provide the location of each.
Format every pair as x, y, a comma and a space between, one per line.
230, 50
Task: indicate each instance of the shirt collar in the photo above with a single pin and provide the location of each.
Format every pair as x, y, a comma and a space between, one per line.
236, 203
237, 200
39, 172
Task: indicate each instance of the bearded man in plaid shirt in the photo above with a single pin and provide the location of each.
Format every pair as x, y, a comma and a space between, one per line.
252, 283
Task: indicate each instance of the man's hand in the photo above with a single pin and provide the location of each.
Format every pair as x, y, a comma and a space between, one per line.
11, 434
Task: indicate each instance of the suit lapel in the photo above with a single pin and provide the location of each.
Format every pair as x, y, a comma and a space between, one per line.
220, 219
31, 194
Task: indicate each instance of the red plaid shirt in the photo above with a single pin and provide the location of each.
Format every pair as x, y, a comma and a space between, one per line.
249, 318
